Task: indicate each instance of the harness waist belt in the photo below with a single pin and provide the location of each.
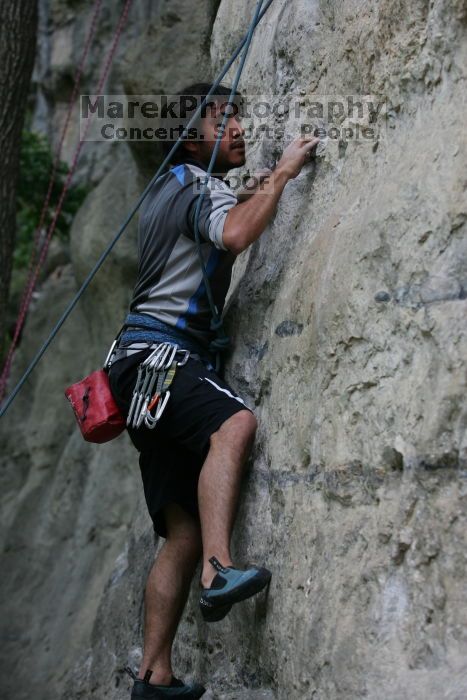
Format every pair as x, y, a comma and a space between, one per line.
141, 328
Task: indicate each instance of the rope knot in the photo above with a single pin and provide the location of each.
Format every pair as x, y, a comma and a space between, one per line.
219, 344
216, 324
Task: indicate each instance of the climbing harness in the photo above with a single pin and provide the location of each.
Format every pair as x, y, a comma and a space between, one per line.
142, 328
97, 413
216, 322
155, 375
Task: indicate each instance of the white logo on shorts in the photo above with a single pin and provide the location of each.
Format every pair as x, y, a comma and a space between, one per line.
224, 391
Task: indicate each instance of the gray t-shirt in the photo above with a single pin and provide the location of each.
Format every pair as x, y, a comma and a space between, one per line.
170, 285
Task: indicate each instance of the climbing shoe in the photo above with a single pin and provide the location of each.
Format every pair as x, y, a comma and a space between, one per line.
230, 586
144, 690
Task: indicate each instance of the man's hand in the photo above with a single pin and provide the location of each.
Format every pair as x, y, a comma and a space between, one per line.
296, 155
247, 220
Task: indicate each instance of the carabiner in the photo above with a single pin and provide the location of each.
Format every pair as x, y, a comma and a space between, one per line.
150, 420
185, 359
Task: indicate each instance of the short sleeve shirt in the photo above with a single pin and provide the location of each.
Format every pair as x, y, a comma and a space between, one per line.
170, 283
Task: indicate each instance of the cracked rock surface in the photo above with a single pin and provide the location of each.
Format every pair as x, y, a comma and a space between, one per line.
349, 321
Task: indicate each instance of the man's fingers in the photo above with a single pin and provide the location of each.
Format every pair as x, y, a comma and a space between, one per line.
311, 143
306, 140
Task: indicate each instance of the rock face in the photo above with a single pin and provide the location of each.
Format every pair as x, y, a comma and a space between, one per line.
350, 345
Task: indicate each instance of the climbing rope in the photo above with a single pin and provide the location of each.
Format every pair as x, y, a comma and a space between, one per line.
33, 275
222, 341
106, 252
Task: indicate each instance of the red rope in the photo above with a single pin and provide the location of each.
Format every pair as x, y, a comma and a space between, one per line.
74, 94
37, 232
30, 281
26, 300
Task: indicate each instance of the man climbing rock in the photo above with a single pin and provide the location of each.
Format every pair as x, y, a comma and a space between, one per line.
193, 461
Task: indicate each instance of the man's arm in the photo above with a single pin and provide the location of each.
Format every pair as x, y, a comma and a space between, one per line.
247, 220
252, 184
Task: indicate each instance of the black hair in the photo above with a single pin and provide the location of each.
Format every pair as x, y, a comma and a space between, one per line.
198, 92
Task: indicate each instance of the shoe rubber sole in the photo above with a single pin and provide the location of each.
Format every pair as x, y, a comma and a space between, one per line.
223, 602
216, 613
195, 694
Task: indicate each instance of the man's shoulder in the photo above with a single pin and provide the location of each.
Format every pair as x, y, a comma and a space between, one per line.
197, 176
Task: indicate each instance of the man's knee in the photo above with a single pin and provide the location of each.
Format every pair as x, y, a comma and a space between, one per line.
242, 424
182, 526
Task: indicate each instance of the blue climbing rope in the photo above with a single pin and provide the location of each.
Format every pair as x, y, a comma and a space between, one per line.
222, 341
161, 170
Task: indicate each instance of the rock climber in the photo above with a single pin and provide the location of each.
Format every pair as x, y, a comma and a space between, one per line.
193, 461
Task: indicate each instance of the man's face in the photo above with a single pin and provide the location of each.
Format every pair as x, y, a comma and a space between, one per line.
231, 152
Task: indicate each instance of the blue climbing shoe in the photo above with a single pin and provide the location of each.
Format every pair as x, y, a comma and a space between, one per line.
144, 690
230, 586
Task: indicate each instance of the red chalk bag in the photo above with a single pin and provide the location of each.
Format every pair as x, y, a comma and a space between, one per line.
98, 416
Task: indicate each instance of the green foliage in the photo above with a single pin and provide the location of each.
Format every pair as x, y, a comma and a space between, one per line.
36, 162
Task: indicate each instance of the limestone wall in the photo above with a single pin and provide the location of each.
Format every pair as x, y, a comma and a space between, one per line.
349, 318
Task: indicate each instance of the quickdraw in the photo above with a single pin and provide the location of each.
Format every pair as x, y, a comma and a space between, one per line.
155, 375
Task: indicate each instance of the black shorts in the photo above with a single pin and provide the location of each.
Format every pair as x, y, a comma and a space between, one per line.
172, 454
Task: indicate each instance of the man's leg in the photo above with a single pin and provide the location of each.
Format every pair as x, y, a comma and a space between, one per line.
167, 590
219, 488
